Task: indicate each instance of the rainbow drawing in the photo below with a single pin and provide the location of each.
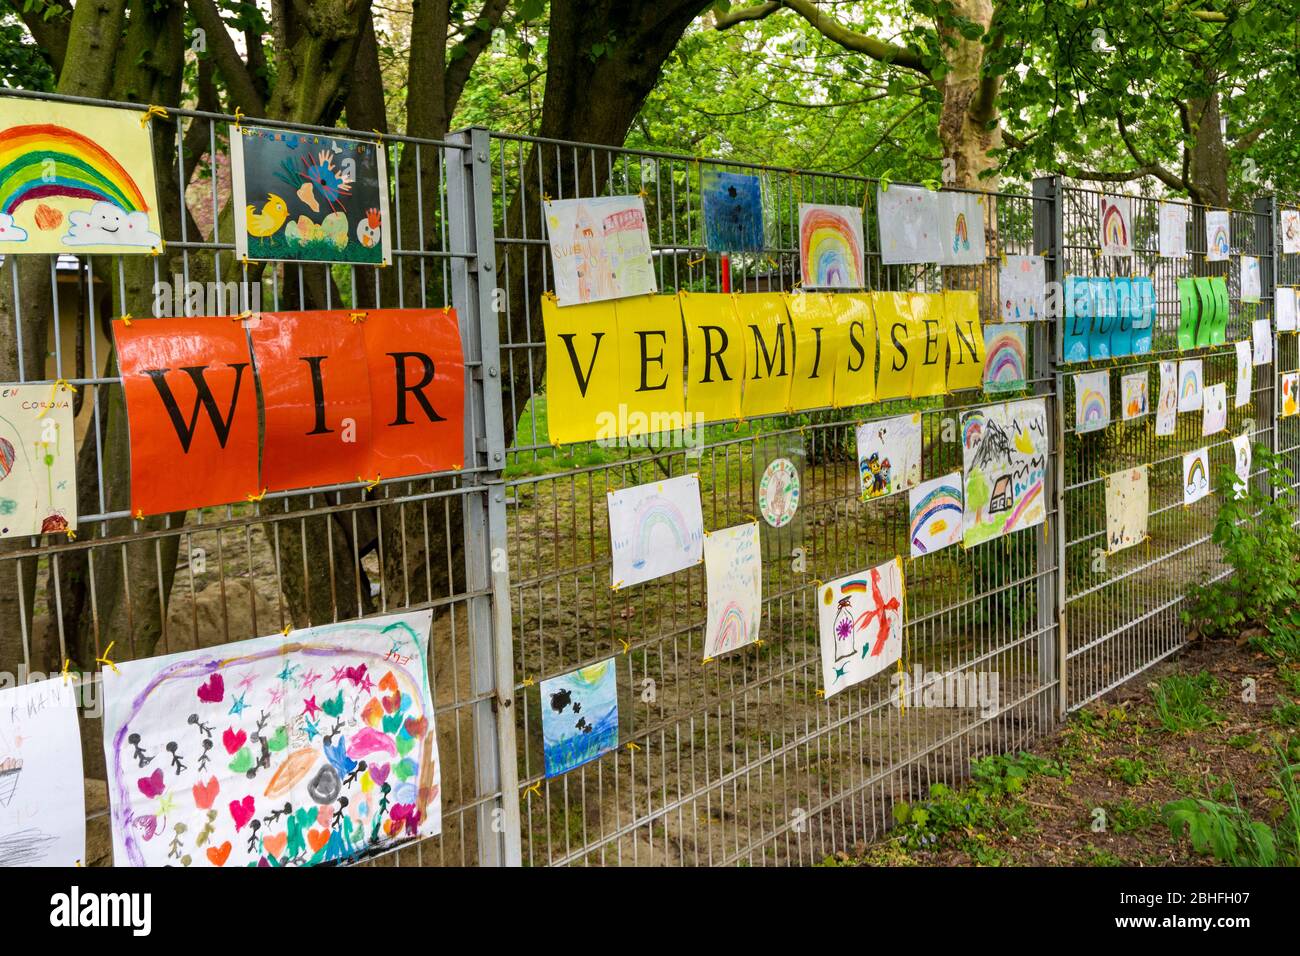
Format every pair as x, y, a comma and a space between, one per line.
1219, 241
960, 234
972, 429
1004, 358
1196, 482
1191, 386
733, 628
1114, 226
935, 514
830, 246
1091, 401
654, 514
854, 587
82, 169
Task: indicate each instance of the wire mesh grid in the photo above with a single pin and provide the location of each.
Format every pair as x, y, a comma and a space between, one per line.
739, 760
1122, 609
125, 589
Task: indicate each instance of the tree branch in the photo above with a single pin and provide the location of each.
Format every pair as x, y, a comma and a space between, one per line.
476, 41
50, 35
833, 30
1149, 165
239, 82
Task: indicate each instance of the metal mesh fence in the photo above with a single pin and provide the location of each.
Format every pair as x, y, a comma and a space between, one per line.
1122, 610
130, 588
737, 760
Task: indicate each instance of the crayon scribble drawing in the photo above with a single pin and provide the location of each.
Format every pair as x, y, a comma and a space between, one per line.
1128, 502
1021, 287
1173, 230
655, 529
76, 179
1004, 461
1218, 236
733, 211
1250, 279
1290, 402
1091, 401
1284, 308
830, 247
600, 249
1243, 456
38, 461
732, 566
860, 623
1214, 414
1245, 374
1196, 475
1004, 357
1290, 230
1261, 336
309, 197
935, 514
889, 455
579, 716
1134, 399
315, 747
1167, 407
961, 226
42, 791
1116, 225
909, 225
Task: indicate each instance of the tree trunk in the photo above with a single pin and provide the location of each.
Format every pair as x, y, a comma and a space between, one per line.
968, 129
1207, 158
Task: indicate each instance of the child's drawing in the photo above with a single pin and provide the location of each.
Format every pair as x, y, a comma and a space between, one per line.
655, 529
860, 621
579, 716
733, 569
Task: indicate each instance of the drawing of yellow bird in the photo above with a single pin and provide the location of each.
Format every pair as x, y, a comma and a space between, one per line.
270, 219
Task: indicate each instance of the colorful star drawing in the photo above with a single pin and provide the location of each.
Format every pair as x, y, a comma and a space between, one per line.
309, 707
238, 705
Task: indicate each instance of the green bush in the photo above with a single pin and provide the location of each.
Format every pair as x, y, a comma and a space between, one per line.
1260, 541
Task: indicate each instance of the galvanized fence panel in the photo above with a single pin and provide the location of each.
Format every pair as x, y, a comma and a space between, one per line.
1122, 611
738, 761
214, 575
1286, 272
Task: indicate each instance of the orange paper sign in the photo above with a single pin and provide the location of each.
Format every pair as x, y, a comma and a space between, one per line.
315, 383
193, 412
417, 391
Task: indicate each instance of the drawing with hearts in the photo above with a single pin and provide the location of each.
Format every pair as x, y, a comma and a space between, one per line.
315, 747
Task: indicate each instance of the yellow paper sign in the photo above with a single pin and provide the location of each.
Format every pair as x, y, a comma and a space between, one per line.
899, 342
769, 353
855, 369
582, 370
818, 340
651, 361
715, 356
930, 323
965, 340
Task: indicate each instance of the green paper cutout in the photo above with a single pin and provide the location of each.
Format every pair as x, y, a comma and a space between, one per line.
1209, 309
1189, 310
1219, 286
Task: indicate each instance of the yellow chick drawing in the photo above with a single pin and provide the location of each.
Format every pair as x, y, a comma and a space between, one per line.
270, 219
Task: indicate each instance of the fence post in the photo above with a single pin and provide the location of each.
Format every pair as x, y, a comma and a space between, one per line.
1049, 242
1265, 208
474, 294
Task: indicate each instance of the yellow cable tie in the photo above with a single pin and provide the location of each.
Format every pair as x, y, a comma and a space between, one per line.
626, 646
355, 317
126, 319
153, 112
632, 746
535, 788
643, 193
284, 631
616, 585
256, 496
64, 384
378, 134
66, 662
527, 682
546, 197
370, 484
72, 535
139, 514
239, 115
691, 263
707, 660
821, 692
